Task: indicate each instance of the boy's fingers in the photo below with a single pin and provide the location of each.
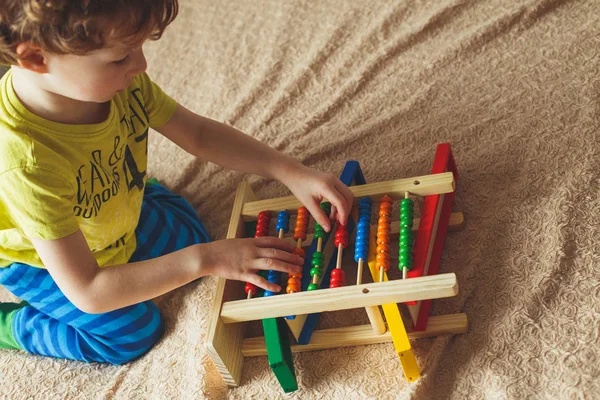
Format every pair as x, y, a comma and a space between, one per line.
333, 212
319, 215
274, 242
347, 194
271, 264
339, 202
261, 282
280, 255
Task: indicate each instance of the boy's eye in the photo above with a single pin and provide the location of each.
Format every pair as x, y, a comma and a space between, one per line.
122, 60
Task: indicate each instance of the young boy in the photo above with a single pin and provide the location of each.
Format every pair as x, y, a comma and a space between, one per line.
85, 240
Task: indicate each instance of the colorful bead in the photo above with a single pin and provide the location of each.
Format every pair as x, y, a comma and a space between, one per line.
361, 244
250, 287
405, 240
299, 251
341, 236
318, 259
312, 286
293, 285
315, 271
319, 232
283, 221
384, 232
262, 224
406, 235
273, 277
338, 278
302, 221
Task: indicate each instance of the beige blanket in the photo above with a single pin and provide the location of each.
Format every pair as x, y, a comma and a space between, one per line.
512, 85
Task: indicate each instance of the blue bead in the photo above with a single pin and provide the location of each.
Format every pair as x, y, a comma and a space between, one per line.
268, 293
274, 277
359, 255
283, 221
362, 232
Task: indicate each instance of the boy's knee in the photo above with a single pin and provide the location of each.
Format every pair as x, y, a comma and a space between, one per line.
135, 344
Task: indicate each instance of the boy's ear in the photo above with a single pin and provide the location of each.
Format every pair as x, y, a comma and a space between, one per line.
31, 57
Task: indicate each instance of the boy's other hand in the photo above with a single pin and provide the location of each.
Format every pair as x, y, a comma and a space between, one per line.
312, 187
241, 259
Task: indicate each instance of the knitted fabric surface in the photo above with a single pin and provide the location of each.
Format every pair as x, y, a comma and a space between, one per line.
513, 86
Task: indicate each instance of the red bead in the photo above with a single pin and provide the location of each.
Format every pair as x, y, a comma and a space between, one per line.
250, 287
338, 272
338, 278
341, 236
262, 224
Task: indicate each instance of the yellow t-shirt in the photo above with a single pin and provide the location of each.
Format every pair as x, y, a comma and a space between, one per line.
57, 178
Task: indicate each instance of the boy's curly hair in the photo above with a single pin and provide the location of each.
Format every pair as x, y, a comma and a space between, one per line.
78, 26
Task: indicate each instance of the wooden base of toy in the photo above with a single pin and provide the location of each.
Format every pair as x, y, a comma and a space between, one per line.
226, 343
324, 339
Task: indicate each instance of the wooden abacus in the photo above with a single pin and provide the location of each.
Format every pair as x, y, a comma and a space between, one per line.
297, 312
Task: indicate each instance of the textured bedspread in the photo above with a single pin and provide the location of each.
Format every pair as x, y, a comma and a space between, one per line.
514, 86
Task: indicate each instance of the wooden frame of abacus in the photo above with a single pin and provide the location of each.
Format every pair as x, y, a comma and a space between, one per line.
231, 310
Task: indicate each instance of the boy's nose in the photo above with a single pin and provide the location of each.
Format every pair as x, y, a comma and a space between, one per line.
139, 65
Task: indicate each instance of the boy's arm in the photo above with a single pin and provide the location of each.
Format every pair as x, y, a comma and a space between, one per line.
97, 290
224, 145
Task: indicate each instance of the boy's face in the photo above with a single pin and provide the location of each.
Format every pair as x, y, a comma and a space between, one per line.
97, 76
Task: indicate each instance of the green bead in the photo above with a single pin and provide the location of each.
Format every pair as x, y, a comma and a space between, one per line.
326, 207
406, 243
405, 259
315, 271
318, 259
319, 232
312, 286
401, 266
406, 207
407, 211
407, 202
317, 263
404, 249
406, 222
406, 234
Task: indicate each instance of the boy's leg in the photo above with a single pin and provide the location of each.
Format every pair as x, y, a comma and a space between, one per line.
53, 326
167, 223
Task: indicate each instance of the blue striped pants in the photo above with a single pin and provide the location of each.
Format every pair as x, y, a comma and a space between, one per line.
49, 324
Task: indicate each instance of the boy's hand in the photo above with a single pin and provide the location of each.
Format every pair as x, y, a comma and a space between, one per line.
311, 187
241, 259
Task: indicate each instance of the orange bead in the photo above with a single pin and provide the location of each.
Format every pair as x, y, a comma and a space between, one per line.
385, 264
302, 222
300, 252
383, 248
293, 285
382, 256
385, 220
